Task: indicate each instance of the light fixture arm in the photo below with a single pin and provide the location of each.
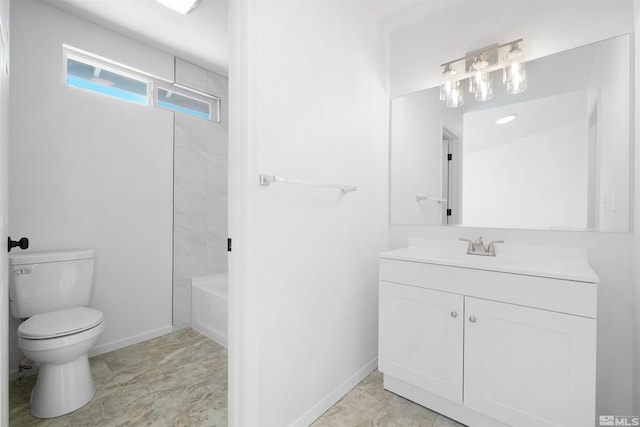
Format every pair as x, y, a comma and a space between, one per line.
477, 66
485, 50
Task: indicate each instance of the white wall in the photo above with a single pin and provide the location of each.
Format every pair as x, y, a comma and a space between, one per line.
313, 106
611, 66
4, 163
546, 27
527, 181
636, 211
92, 171
417, 50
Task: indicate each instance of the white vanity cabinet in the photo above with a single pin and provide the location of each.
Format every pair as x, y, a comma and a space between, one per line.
489, 347
421, 338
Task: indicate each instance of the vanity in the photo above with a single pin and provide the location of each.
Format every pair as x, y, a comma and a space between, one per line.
490, 341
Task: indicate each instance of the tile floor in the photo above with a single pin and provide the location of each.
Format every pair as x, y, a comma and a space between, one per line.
370, 405
180, 379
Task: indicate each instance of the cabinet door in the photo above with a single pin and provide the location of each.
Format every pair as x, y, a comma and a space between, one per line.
529, 367
421, 338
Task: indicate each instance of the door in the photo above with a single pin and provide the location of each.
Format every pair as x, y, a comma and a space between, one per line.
452, 177
528, 367
4, 275
421, 339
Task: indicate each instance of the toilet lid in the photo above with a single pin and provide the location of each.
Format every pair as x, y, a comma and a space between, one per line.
60, 323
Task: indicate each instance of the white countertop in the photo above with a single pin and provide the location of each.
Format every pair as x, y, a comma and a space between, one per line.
556, 263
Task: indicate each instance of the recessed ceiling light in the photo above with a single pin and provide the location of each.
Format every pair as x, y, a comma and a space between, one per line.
505, 119
180, 6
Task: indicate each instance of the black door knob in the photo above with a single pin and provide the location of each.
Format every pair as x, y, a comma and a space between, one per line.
22, 243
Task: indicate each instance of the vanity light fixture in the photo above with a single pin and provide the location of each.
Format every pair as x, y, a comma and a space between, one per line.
478, 66
506, 119
481, 79
450, 90
180, 6
514, 74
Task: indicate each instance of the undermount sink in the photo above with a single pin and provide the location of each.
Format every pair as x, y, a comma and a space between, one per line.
552, 262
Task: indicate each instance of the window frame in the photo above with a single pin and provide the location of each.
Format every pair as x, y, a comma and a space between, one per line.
107, 66
213, 101
154, 84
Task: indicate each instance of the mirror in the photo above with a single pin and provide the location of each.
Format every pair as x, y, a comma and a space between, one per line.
564, 162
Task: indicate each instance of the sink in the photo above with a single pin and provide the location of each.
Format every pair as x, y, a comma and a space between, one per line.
552, 262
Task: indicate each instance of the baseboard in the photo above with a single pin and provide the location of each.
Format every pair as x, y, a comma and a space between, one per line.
338, 393
105, 348
13, 375
211, 334
126, 342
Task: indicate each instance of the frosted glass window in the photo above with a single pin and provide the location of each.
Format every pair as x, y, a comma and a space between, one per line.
184, 104
96, 79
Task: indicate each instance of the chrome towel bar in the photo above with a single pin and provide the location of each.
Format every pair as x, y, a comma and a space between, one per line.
433, 199
270, 179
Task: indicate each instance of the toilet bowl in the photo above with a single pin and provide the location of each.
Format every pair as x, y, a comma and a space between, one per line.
59, 342
52, 290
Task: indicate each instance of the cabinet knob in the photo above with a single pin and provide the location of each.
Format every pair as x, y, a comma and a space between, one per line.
472, 319
454, 314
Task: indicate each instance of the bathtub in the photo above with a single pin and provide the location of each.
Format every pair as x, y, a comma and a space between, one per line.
209, 313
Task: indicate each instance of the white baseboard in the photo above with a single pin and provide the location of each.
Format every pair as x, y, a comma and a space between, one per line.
126, 342
13, 374
338, 393
107, 347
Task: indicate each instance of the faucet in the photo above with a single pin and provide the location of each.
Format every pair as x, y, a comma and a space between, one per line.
477, 247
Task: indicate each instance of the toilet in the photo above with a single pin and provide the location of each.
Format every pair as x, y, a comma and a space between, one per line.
52, 290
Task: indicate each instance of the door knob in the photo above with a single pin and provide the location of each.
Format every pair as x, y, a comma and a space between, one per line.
22, 243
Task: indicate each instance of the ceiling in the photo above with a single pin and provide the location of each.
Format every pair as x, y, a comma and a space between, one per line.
201, 36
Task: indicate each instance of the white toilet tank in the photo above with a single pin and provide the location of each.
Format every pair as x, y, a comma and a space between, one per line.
40, 282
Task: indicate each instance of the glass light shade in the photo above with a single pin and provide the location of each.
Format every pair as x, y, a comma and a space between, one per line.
455, 99
447, 84
481, 83
514, 74
477, 71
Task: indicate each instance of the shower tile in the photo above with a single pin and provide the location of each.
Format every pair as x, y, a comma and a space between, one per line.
217, 171
224, 113
189, 246
217, 244
217, 85
190, 177
191, 132
182, 303
217, 138
190, 75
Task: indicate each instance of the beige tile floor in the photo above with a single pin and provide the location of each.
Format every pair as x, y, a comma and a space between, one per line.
370, 405
180, 379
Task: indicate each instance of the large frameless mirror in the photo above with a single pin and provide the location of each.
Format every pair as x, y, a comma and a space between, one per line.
556, 156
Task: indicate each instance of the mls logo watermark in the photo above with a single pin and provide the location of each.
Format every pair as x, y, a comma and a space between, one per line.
619, 420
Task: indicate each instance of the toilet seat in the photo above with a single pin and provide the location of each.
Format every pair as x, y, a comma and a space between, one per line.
60, 323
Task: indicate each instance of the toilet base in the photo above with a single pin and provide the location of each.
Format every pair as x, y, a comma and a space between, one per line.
62, 388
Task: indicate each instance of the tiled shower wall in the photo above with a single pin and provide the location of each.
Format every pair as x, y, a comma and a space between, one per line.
200, 191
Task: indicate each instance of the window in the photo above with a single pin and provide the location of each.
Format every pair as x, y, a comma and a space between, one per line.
89, 72
184, 104
98, 79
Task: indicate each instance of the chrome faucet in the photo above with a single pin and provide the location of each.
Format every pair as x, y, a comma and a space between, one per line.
477, 247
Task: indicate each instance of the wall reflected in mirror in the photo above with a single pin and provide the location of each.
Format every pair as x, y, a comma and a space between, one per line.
562, 162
